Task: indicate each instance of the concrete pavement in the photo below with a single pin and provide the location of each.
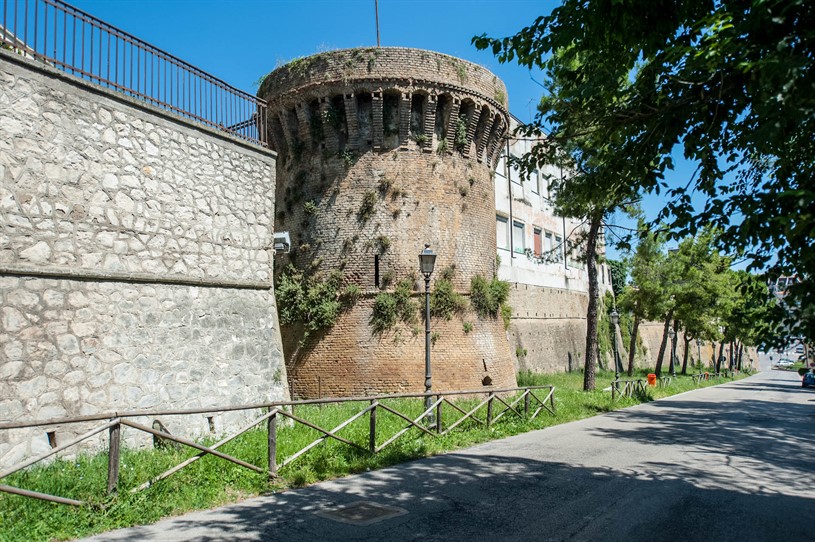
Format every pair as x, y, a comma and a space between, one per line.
732, 462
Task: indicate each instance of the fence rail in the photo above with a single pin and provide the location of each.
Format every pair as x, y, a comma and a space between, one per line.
492, 405
77, 43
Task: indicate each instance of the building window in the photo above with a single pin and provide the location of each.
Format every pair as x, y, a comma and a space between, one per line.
514, 173
547, 246
537, 242
502, 232
535, 181
558, 248
518, 236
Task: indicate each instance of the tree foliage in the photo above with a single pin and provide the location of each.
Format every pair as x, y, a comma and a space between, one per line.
729, 84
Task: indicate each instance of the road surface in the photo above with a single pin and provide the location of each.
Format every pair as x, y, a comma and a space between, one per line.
732, 462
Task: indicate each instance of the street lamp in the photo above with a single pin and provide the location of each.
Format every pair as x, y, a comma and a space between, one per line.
427, 260
699, 351
672, 335
615, 320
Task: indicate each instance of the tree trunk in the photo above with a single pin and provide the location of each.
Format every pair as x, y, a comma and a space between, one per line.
685, 355
591, 314
661, 354
741, 352
730, 356
632, 349
720, 356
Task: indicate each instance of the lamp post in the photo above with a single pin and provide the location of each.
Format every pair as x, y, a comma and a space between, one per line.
672, 335
699, 352
427, 260
615, 320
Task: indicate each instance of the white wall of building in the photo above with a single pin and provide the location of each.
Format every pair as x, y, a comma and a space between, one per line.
532, 241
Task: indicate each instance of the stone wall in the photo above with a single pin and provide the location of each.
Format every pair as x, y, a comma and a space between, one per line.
548, 329
135, 258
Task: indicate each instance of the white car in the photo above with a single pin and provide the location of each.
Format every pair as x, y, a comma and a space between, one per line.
785, 363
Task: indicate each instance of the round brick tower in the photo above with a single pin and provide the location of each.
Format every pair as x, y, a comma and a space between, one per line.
380, 151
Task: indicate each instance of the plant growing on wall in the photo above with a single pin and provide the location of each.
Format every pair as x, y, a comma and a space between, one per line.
445, 301
487, 297
367, 207
310, 207
311, 299
442, 147
461, 135
384, 243
421, 139
391, 307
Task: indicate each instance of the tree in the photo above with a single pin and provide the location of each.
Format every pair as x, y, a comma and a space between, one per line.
645, 298
618, 269
598, 180
727, 83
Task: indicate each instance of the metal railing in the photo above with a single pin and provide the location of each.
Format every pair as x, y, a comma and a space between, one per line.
77, 43
445, 413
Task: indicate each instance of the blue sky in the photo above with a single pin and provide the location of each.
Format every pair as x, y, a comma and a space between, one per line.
241, 40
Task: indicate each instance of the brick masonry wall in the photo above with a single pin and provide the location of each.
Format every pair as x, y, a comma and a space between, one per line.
359, 192
135, 266
349, 360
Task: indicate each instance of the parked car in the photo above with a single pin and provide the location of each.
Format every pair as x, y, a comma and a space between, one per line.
809, 380
785, 362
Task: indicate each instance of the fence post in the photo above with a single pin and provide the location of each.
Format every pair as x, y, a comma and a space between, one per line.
489, 410
438, 414
113, 458
372, 428
526, 403
272, 444
552, 400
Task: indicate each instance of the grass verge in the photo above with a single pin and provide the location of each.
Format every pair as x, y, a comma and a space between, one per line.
211, 482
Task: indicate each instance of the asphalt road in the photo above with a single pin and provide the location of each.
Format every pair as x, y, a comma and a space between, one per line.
732, 462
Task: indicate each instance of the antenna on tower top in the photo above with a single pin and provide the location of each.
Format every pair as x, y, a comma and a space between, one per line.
376, 12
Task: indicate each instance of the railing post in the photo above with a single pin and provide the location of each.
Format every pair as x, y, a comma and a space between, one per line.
489, 410
113, 458
613, 390
372, 428
438, 414
552, 399
272, 444
526, 403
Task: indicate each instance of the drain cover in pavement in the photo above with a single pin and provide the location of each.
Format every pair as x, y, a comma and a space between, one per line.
362, 513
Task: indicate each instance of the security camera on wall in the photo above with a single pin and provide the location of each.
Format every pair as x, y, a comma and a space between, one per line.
282, 242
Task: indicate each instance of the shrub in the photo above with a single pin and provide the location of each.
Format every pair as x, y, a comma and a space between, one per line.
488, 296
506, 315
444, 301
312, 300
468, 327
367, 207
384, 312
350, 296
392, 307
310, 207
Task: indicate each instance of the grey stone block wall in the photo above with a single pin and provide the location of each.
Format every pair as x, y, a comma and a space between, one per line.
135, 261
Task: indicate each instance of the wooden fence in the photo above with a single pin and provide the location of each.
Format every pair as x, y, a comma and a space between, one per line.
630, 388
491, 406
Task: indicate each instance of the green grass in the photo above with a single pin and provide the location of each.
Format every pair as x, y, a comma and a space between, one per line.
210, 482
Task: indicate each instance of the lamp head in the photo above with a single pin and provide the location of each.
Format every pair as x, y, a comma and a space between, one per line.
427, 260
